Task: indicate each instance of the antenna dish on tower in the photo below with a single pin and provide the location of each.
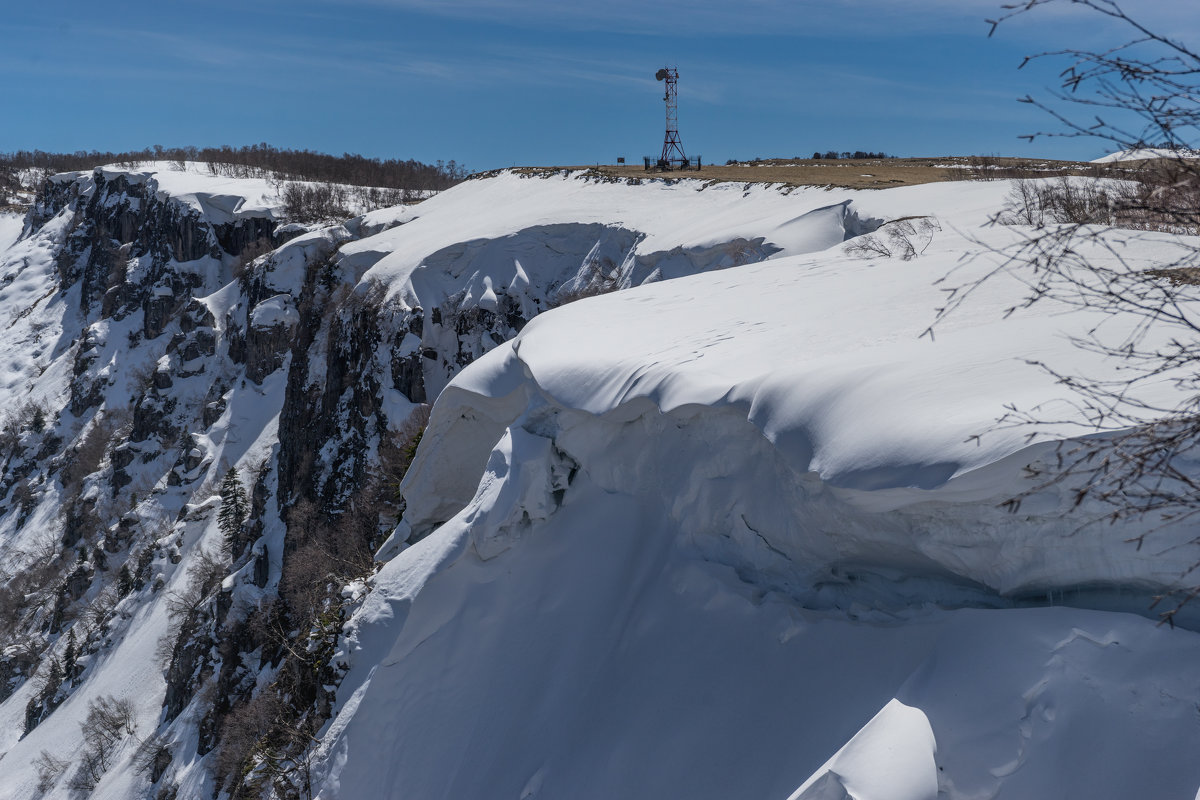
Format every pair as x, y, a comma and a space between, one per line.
672, 151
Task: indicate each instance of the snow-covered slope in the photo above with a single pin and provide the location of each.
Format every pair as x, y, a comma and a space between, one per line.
10, 228
871, 424
719, 533
1143, 153
714, 541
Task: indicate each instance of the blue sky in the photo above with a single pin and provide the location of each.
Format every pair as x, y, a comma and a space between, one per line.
494, 84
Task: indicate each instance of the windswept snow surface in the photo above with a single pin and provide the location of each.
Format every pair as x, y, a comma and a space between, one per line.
732, 541
667, 219
535, 239
219, 199
1143, 153
10, 228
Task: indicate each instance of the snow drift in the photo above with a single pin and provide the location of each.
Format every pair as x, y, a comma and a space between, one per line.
1145, 153
713, 550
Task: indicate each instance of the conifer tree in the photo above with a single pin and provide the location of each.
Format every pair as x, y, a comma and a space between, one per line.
125, 582
70, 658
232, 516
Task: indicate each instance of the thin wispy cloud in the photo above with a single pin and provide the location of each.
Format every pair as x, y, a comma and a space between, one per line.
884, 18
680, 17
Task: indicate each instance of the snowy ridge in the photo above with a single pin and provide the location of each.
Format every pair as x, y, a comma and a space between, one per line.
535, 242
218, 199
1143, 153
684, 215
824, 357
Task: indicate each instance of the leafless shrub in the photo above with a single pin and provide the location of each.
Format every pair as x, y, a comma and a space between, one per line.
1165, 197
46, 697
326, 554
1141, 461
1023, 206
21, 657
204, 574
265, 746
152, 758
992, 168
396, 454
314, 202
10, 184
99, 612
369, 198
25, 497
253, 251
241, 732
109, 722
88, 453
89, 772
259, 161
10, 434
1081, 201
984, 168
308, 583
904, 238
31, 416
868, 246
207, 569
351, 302
29, 588
409, 437
49, 769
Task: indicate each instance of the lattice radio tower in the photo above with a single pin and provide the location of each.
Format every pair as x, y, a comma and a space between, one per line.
672, 151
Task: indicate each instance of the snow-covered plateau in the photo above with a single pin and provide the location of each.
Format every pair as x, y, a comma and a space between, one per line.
697, 510
1144, 153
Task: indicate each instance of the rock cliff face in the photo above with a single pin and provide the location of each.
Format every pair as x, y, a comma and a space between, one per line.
117, 427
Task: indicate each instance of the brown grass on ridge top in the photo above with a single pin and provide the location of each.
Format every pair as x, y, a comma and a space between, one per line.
870, 173
1178, 276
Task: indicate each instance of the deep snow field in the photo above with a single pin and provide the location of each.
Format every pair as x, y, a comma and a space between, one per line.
10, 228
1141, 153
713, 551
725, 532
